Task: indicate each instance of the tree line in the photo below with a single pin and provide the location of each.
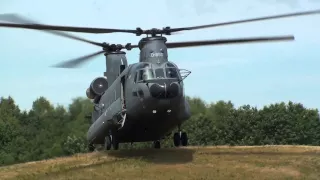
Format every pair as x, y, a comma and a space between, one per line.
48, 131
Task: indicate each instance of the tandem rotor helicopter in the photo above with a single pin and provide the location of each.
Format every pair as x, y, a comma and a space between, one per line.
144, 101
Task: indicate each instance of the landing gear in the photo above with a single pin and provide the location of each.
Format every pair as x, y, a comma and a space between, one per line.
90, 147
107, 142
157, 144
176, 139
111, 141
115, 143
180, 138
184, 139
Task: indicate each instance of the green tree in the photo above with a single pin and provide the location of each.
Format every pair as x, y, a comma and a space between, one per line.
47, 131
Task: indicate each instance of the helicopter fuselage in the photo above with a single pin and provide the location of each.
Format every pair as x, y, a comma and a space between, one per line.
152, 98
144, 102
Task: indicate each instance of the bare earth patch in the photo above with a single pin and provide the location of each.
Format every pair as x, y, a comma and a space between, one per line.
217, 162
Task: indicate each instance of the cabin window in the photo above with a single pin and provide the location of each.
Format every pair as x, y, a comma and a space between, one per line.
145, 74
159, 73
172, 73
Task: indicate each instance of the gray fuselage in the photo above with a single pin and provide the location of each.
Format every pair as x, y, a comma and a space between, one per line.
150, 94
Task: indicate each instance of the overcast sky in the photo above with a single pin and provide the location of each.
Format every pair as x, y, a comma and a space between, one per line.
255, 74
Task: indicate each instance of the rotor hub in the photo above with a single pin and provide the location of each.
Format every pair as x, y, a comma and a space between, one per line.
154, 31
115, 47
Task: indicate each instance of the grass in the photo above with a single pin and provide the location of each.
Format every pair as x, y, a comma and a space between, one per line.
221, 162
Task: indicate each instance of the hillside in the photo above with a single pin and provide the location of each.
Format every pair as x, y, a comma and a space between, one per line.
222, 162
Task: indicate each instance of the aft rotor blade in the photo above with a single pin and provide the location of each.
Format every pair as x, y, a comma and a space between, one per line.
228, 41
247, 20
73, 63
15, 18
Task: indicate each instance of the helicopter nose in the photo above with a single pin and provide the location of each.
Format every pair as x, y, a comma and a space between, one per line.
173, 90
164, 90
158, 90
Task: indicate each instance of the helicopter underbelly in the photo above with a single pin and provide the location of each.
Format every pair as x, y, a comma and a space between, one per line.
148, 127
151, 121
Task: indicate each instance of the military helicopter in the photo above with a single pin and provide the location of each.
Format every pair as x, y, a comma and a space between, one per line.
144, 101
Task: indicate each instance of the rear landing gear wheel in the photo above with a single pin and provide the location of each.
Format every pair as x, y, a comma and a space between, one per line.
90, 147
157, 144
107, 142
115, 143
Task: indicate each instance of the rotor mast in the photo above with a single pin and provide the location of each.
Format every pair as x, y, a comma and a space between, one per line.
153, 49
114, 58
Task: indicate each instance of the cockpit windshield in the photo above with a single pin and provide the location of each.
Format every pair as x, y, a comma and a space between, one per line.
172, 73
146, 74
159, 73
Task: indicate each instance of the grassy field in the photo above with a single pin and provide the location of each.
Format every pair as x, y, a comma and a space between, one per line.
221, 162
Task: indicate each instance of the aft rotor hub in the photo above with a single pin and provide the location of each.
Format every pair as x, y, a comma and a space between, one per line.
116, 47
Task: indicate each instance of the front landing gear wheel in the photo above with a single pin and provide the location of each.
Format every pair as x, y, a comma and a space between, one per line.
176, 139
184, 139
107, 143
180, 138
157, 144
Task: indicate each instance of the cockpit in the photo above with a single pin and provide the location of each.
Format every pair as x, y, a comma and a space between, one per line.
147, 72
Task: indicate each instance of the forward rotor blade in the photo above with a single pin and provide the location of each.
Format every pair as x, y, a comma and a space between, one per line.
15, 18
228, 41
247, 20
73, 63
65, 28
140, 31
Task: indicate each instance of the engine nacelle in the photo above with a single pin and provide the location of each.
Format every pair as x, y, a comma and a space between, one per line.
97, 87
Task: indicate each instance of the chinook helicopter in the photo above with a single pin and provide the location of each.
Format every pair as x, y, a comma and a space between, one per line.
144, 101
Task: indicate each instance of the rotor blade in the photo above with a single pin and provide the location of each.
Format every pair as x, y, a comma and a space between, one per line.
14, 18
228, 41
73, 63
65, 28
247, 20
140, 31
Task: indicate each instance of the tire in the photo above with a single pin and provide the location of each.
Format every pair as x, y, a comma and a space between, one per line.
184, 139
91, 148
157, 144
107, 143
115, 143
176, 139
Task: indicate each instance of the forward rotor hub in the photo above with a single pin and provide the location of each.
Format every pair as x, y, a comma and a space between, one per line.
154, 31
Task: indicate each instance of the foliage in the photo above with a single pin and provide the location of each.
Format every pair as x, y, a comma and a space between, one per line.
47, 131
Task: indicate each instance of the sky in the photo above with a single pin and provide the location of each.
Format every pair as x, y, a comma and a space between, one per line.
256, 74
